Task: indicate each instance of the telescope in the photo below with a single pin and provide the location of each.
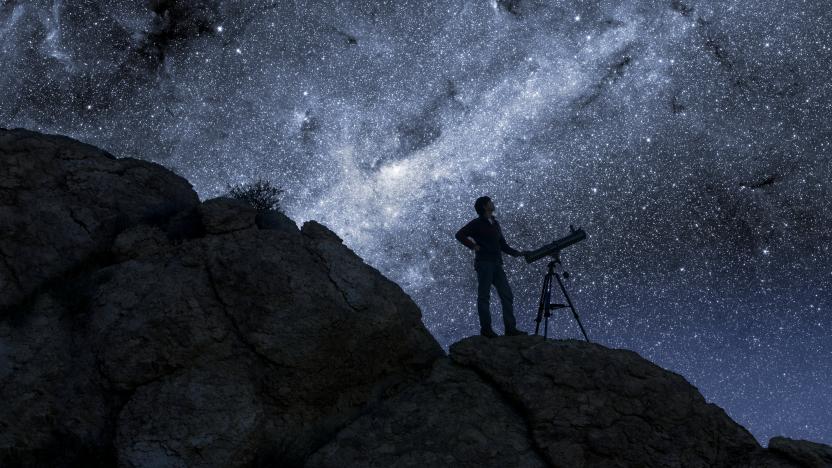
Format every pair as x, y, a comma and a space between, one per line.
546, 306
553, 249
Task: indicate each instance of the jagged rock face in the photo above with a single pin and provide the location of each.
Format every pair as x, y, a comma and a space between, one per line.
227, 346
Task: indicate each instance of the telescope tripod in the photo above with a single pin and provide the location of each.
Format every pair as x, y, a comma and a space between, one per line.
544, 310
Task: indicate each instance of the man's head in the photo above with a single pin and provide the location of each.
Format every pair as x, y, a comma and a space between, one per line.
484, 206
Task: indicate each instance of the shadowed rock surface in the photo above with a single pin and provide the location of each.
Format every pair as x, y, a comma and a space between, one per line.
195, 340
452, 419
141, 327
523, 401
588, 405
802, 451
62, 202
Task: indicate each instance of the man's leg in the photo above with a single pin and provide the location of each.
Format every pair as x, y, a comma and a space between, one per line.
506, 298
485, 275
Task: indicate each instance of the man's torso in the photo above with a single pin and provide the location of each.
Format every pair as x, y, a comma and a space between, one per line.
487, 235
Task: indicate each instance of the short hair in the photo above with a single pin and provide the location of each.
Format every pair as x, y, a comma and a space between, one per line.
479, 205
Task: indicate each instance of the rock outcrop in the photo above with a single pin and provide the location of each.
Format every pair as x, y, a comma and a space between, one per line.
142, 327
587, 405
453, 419
803, 452
183, 335
62, 202
523, 401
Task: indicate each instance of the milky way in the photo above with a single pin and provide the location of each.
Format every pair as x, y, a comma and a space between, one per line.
689, 139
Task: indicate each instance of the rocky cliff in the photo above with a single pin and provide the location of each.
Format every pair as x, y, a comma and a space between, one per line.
142, 327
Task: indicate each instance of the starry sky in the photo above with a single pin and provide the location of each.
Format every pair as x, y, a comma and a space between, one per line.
690, 139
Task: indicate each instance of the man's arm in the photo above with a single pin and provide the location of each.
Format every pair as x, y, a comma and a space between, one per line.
506, 248
464, 236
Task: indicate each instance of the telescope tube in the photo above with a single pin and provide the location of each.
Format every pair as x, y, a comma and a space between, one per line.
573, 238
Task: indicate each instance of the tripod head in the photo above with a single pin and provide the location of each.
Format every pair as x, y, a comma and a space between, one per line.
555, 262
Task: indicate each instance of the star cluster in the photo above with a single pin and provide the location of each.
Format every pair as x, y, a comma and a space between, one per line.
690, 139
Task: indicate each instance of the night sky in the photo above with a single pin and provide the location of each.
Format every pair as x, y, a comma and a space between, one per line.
690, 139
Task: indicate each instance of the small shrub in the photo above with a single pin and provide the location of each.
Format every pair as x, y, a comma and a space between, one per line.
260, 194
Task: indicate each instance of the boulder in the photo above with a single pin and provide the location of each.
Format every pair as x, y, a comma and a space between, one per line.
63, 202
197, 340
452, 419
804, 452
587, 405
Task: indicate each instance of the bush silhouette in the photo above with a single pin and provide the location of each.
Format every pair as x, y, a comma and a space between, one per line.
260, 194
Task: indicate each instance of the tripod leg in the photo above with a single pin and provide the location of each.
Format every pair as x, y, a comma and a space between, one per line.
547, 308
569, 301
544, 298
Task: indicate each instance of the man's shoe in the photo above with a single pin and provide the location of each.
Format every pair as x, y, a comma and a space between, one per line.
515, 332
488, 333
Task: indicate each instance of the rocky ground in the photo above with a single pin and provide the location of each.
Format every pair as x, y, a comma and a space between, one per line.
142, 327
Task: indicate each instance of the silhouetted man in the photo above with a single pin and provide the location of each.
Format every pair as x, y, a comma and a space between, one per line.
484, 236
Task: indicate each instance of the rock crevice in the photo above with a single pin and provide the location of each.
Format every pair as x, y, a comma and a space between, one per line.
234, 326
516, 405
